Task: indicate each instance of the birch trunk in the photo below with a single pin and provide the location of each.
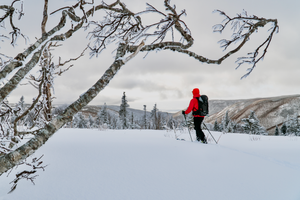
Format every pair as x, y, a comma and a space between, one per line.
12, 159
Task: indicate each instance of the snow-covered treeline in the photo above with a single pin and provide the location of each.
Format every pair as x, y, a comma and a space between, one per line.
103, 117
125, 119
252, 125
272, 112
122, 117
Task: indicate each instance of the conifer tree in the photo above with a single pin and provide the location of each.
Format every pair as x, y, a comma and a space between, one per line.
154, 116
21, 103
283, 129
113, 122
252, 125
144, 120
225, 122
79, 121
131, 121
276, 131
172, 123
216, 126
236, 128
98, 119
160, 121
91, 122
104, 115
230, 128
123, 114
293, 126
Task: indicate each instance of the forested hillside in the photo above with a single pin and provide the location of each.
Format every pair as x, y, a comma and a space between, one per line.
271, 111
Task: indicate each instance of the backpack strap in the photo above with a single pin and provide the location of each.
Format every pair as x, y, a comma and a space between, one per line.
200, 99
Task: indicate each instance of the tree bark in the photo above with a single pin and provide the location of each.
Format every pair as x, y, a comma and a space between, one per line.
12, 159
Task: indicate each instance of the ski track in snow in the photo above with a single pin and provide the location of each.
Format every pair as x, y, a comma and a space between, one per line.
267, 158
270, 159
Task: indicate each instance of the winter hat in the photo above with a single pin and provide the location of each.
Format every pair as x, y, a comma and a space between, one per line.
196, 91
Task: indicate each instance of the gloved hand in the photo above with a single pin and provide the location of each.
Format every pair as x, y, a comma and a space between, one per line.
183, 112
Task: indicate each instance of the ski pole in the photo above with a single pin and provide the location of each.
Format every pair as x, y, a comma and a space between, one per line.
220, 137
188, 127
210, 133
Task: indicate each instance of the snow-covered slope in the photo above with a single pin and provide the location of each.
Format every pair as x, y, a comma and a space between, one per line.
270, 111
152, 165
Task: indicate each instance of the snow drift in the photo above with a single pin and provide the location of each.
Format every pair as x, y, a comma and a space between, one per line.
152, 165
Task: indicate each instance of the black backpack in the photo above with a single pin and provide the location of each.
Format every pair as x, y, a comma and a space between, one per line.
202, 106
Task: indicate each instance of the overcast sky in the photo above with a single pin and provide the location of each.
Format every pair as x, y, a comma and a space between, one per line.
167, 78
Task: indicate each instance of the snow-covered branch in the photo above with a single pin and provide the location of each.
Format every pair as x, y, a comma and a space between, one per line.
243, 27
119, 26
11, 159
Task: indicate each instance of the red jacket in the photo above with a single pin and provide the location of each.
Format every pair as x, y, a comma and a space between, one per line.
193, 105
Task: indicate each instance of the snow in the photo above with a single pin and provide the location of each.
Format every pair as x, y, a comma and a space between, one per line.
153, 165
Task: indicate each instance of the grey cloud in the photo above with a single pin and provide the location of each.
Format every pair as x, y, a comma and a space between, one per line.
171, 94
130, 82
166, 75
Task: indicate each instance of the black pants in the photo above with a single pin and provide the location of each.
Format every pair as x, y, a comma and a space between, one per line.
197, 125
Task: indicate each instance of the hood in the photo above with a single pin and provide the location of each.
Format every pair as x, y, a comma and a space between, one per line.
196, 92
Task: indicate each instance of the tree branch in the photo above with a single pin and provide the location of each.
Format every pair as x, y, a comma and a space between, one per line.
22, 56
45, 17
16, 133
16, 79
11, 159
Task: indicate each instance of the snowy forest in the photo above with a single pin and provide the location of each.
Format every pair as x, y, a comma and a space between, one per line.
154, 119
104, 119
158, 120
124, 119
162, 121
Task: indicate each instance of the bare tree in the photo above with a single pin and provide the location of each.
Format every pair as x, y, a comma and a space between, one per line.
119, 25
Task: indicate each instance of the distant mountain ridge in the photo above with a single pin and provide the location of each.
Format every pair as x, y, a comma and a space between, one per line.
271, 111
113, 109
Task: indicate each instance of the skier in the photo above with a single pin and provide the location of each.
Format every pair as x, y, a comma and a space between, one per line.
197, 118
